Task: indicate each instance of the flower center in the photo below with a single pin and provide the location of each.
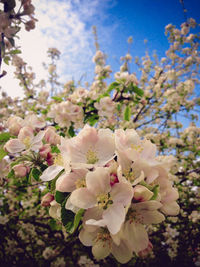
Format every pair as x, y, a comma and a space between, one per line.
91, 157
138, 148
80, 183
131, 174
59, 160
27, 141
104, 201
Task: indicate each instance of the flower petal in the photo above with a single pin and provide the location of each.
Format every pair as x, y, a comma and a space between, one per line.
122, 253
98, 181
122, 193
87, 238
50, 173
83, 198
114, 217
136, 236
14, 146
101, 249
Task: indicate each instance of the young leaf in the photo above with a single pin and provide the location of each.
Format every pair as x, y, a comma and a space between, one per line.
4, 137
155, 192
71, 131
35, 173
60, 196
3, 153
127, 113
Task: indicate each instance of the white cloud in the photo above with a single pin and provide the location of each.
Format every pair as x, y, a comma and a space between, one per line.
65, 25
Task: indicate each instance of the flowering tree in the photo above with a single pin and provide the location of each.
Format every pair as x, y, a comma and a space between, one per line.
106, 174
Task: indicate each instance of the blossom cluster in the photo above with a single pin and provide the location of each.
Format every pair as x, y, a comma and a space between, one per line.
119, 183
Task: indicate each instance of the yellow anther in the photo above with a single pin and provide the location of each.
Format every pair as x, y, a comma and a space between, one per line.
80, 183
138, 148
27, 141
59, 160
91, 157
104, 201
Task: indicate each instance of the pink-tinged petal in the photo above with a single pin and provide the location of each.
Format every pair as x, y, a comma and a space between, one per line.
122, 193
87, 238
154, 216
98, 181
149, 150
101, 249
94, 223
83, 198
171, 195
50, 173
147, 205
67, 181
70, 206
105, 146
95, 214
14, 146
114, 217
151, 175
171, 208
122, 252
24, 132
136, 236
38, 138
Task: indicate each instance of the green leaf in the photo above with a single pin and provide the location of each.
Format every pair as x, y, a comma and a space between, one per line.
60, 196
55, 149
57, 98
11, 174
67, 218
4, 137
155, 192
127, 113
6, 60
3, 153
137, 90
112, 86
15, 52
71, 131
78, 218
35, 173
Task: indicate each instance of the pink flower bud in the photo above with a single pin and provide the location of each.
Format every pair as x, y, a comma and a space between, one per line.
21, 170
44, 150
141, 193
14, 124
51, 136
46, 199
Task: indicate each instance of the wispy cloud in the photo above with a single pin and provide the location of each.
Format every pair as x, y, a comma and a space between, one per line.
66, 25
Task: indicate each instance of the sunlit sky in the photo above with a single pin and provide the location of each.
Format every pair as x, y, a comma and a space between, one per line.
67, 25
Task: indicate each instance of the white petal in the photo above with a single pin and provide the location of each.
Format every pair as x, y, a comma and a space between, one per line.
14, 146
50, 173
101, 249
87, 238
170, 208
98, 181
114, 217
122, 253
83, 198
147, 205
154, 216
122, 193
136, 236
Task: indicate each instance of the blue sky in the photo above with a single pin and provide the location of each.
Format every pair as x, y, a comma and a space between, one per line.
67, 25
